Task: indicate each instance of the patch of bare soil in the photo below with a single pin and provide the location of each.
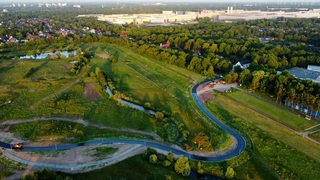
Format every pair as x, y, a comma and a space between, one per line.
202, 86
90, 92
77, 156
68, 66
104, 55
204, 97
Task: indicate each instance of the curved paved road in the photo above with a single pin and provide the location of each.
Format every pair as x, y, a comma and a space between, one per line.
240, 141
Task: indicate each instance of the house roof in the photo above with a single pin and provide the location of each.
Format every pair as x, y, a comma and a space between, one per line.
313, 68
305, 74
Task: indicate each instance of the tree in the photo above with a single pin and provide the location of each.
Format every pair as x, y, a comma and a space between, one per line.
189, 44
281, 82
147, 105
199, 168
202, 141
182, 166
195, 65
159, 115
245, 78
272, 61
172, 132
230, 173
148, 152
257, 76
209, 72
170, 156
213, 48
231, 77
153, 159
166, 163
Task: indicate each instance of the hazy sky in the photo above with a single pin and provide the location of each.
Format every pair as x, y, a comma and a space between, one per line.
226, 1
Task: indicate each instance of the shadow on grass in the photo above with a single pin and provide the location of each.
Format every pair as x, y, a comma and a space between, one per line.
33, 70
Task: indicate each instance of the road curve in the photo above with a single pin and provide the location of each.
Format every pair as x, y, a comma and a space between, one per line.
241, 144
241, 141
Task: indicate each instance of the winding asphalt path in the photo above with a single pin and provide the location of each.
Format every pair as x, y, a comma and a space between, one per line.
241, 144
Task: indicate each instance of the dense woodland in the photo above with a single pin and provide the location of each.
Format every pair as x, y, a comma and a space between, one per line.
209, 48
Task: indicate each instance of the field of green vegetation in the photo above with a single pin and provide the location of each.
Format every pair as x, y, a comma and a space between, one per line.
7, 167
41, 92
63, 131
281, 115
102, 151
4, 174
279, 149
315, 136
166, 88
49, 88
123, 170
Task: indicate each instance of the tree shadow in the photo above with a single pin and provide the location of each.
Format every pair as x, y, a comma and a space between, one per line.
33, 70
118, 79
183, 102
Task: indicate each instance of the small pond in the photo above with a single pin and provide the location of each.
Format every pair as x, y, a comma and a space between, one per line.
44, 55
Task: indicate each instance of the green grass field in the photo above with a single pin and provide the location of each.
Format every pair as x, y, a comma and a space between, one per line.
46, 88
315, 136
283, 151
283, 116
53, 91
123, 170
4, 174
166, 87
64, 131
31, 96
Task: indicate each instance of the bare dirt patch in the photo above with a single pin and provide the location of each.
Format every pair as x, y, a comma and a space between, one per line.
72, 158
90, 92
104, 55
68, 66
204, 90
204, 97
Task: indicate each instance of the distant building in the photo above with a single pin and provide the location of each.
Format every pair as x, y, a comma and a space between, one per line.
242, 66
123, 35
305, 74
167, 12
180, 12
313, 68
165, 45
32, 37
12, 39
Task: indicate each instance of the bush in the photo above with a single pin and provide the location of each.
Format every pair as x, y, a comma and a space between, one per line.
172, 132
153, 159
159, 115
182, 166
170, 157
229, 173
166, 163
149, 151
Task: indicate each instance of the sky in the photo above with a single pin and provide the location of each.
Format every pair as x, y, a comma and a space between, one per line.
226, 1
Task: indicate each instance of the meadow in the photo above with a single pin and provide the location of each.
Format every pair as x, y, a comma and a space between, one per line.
315, 136
123, 170
274, 112
67, 132
277, 148
48, 88
166, 87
